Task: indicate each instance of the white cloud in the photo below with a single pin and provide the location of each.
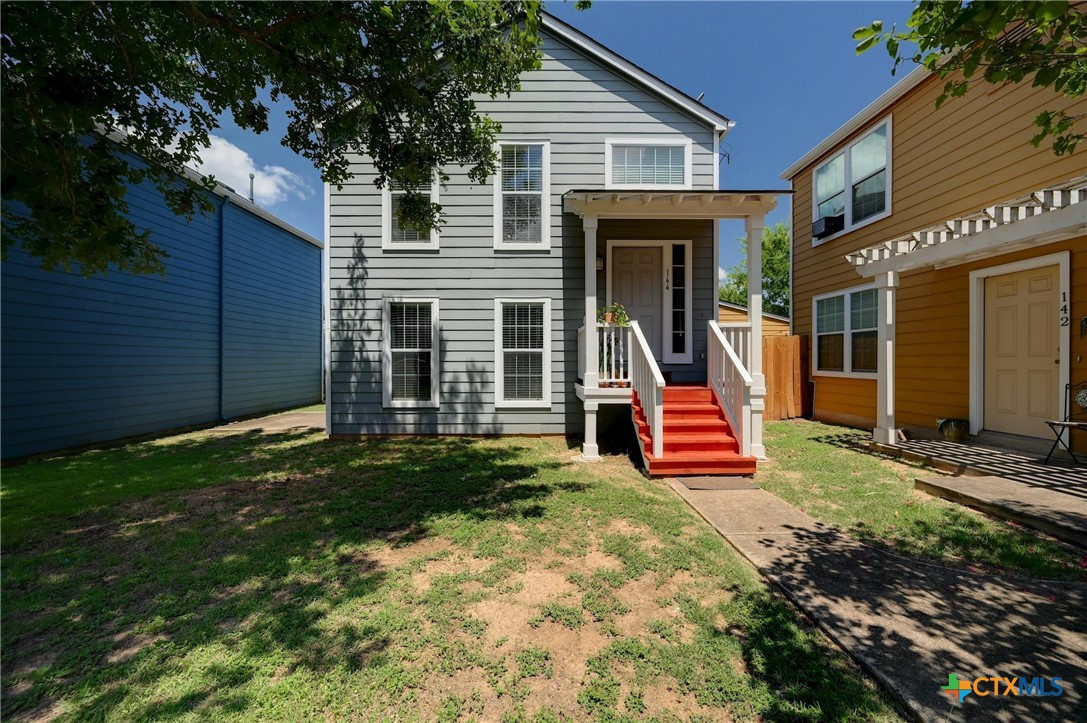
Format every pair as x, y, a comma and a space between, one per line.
232, 166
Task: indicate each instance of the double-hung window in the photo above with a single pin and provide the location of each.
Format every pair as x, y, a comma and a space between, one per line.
522, 353
410, 370
522, 196
652, 163
394, 235
854, 187
845, 332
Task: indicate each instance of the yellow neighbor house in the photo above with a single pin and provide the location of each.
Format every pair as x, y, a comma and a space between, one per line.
940, 264
772, 324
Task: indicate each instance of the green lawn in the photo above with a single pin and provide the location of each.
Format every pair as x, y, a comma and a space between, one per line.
284, 577
817, 468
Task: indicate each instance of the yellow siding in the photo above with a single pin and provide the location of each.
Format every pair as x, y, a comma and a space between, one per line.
946, 162
770, 325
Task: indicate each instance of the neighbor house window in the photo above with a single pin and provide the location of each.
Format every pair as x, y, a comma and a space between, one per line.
647, 163
845, 332
854, 186
410, 359
522, 197
523, 353
395, 236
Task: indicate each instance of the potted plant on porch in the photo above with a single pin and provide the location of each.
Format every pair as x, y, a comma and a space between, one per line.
954, 430
614, 314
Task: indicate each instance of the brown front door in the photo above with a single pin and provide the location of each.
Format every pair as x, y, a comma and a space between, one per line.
1022, 356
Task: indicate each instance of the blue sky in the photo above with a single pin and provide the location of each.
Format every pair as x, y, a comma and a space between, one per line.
786, 72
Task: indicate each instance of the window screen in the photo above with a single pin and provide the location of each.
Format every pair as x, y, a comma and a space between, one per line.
830, 188
411, 346
863, 310
400, 234
868, 165
638, 165
522, 351
522, 193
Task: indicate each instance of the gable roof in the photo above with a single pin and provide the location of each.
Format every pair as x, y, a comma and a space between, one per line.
851, 126
743, 309
570, 35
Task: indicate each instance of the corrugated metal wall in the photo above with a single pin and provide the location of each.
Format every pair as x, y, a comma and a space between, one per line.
91, 360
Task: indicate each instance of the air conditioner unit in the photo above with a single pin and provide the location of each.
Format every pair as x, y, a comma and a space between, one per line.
827, 226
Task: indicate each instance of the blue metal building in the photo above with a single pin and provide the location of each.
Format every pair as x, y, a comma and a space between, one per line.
233, 329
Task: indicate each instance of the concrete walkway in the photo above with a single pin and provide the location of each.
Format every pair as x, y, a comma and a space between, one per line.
1061, 515
287, 422
911, 623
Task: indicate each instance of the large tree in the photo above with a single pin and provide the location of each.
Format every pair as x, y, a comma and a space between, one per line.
393, 80
997, 42
775, 272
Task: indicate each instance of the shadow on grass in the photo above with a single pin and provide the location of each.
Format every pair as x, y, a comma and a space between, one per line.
119, 564
851, 487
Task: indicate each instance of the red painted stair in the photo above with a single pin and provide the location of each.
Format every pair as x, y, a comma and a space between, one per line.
698, 440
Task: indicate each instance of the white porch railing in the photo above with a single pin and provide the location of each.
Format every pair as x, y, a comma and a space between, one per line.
727, 374
613, 351
648, 383
738, 335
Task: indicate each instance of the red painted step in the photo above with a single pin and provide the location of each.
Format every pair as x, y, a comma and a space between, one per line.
697, 438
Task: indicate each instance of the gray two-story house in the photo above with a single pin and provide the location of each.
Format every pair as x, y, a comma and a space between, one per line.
607, 192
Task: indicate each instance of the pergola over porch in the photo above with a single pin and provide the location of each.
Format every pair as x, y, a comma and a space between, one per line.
1048, 215
592, 205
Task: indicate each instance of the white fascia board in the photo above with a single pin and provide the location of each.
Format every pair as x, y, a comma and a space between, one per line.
572, 36
854, 124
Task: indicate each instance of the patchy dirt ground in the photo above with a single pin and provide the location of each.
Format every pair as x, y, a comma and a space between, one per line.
456, 579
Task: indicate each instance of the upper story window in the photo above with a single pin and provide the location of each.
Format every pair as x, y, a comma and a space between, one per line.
399, 238
647, 163
845, 332
522, 194
854, 187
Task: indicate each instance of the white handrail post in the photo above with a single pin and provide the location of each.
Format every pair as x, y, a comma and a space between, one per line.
753, 225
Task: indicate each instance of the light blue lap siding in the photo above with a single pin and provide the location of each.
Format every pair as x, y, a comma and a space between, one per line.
91, 360
574, 103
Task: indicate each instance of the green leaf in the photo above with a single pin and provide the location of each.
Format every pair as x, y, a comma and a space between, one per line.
866, 44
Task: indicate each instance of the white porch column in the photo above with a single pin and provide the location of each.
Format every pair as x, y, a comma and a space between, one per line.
592, 364
754, 225
885, 431
590, 451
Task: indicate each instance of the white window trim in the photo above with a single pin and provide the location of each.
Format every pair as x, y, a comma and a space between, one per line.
847, 331
499, 360
667, 355
844, 151
387, 223
387, 356
546, 205
688, 162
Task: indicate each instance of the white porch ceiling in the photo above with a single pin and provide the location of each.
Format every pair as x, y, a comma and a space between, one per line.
671, 204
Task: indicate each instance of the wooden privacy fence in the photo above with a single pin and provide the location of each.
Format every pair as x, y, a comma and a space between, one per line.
785, 364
